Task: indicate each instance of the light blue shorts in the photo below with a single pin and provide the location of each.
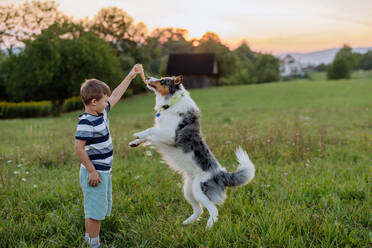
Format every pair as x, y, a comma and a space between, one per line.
97, 200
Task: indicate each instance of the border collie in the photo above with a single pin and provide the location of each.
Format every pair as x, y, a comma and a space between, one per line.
177, 137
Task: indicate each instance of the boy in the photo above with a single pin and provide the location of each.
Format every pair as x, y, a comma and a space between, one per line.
93, 146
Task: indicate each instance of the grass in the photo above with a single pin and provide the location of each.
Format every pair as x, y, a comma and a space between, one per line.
311, 142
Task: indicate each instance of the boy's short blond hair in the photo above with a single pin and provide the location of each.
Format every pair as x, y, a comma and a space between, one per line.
93, 89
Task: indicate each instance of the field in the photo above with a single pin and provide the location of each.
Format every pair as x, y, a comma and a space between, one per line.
311, 143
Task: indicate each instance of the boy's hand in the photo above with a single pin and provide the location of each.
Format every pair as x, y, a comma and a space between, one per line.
137, 69
94, 178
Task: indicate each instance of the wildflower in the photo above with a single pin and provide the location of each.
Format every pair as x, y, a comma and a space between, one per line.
266, 185
27, 172
285, 173
9, 161
23, 179
179, 185
19, 165
35, 186
162, 161
16, 172
148, 153
307, 164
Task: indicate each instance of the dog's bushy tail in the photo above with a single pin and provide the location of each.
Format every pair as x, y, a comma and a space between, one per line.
245, 172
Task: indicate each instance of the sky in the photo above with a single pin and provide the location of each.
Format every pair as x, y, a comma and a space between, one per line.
271, 26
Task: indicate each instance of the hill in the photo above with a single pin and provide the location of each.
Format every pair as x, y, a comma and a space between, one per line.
323, 56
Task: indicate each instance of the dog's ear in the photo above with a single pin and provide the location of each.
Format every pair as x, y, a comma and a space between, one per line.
178, 80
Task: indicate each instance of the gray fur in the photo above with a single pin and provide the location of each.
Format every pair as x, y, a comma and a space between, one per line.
189, 138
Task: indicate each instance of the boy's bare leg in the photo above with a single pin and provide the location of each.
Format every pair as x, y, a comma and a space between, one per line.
92, 227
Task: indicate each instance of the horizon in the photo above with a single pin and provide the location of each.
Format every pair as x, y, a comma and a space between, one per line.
267, 26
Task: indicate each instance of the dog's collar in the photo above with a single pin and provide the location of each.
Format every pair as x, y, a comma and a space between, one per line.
167, 106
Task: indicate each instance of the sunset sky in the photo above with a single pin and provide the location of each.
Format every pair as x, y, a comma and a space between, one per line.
274, 26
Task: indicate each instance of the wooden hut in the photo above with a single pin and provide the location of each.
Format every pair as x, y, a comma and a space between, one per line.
197, 69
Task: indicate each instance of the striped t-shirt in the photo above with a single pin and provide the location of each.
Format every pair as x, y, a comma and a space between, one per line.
95, 130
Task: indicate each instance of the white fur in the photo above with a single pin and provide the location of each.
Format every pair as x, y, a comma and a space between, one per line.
162, 136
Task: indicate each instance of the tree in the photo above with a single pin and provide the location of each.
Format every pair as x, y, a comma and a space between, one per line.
164, 41
267, 68
21, 23
115, 26
164, 35
321, 67
171, 40
53, 66
245, 73
211, 43
244, 52
365, 61
252, 67
342, 65
3, 95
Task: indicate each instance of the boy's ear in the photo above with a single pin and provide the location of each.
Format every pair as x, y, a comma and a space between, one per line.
178, 80
93, 101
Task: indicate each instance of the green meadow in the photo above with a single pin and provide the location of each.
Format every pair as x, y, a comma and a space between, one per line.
311, 143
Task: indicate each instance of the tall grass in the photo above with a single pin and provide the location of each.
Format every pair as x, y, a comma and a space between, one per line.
311, 143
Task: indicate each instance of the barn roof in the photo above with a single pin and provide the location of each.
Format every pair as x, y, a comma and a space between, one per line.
192, 64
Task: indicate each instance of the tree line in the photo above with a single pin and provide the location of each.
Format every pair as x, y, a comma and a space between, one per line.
46, 55
345, 62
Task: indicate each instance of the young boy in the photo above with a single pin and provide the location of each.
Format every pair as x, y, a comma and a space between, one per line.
93, 146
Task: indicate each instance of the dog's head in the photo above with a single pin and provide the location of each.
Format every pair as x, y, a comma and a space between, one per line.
165, 86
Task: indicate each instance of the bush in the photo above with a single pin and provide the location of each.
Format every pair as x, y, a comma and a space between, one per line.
340, 68
36, 109
342, 65
72, 104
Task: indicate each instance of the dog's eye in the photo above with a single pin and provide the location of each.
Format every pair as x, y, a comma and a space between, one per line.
162, 81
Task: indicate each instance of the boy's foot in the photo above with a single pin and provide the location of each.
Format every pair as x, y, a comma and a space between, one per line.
94, 242
87, 240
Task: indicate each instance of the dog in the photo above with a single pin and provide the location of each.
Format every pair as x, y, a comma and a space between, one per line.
177, 137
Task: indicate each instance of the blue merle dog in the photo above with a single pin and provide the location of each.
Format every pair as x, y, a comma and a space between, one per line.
177, 136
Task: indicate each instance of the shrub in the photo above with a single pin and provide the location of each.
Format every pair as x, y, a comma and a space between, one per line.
36, 109
73, 103
342, 64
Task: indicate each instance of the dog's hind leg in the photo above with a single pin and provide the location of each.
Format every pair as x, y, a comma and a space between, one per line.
204, 200
196, 207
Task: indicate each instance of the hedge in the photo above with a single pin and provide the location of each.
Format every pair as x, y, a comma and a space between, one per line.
36, 109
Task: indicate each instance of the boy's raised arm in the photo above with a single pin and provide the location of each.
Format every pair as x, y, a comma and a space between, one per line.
122, 87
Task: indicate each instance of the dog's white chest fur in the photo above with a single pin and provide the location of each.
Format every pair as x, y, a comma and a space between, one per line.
174, 156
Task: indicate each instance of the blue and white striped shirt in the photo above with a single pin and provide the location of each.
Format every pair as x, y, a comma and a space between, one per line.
95, 130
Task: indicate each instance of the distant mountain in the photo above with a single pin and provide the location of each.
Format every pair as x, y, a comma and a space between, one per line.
323, 56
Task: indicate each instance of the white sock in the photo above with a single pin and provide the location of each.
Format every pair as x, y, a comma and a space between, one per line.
87, 238
94, 242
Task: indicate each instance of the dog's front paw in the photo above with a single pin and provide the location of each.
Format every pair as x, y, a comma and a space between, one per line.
140, 135
136, 142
